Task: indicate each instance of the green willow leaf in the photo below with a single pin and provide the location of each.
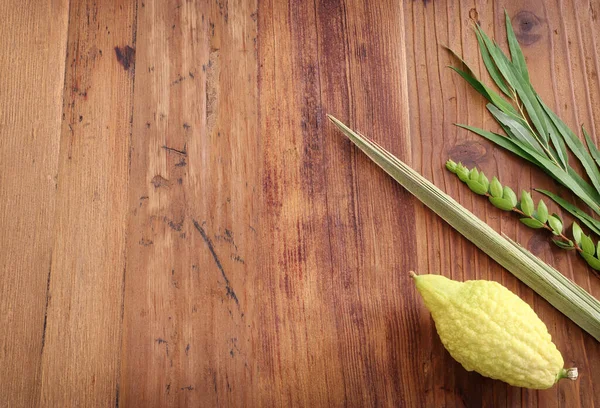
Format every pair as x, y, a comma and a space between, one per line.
518, 83
504, 142
491, 67
591, 146
515, 50
577, 148
586, 219
516, 127
488, 93
557, 141
585, 186
559, 291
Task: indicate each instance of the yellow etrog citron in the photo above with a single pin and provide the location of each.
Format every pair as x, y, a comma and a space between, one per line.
490, 330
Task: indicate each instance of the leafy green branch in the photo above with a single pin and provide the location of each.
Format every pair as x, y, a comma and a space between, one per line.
533, 131
504, 198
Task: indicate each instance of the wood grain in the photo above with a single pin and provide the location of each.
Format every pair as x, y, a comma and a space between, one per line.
193, 230
80, 361
195, 233
32, 61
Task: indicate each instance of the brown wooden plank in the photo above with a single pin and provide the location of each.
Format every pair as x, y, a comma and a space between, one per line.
190, 329
32, 61
332, 285
83, 335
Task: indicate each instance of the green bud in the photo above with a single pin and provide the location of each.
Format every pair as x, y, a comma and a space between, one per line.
587, 245
577, 232
462, 172
526, 203
542, 212
477, 187
496, 188
474, 174
450, 165
510, 195
556, 224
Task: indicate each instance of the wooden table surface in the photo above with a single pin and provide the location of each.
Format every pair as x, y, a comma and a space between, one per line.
181, 226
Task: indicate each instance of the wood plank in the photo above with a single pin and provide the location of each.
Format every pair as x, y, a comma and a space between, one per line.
32, 66
83, 335
190, 330
332, 285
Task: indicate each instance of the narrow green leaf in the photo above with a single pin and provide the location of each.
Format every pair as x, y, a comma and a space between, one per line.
488, 93
502, 203
526, 203
515, 79
515, 50
585, 186
532, 223
557, 141
491, 67
577, 232
591, 261
562, 293
542, 212
587, 245
495, 188
576, 147
568, 181
586, 219
591, 146
556, 224
504, 142
518, 128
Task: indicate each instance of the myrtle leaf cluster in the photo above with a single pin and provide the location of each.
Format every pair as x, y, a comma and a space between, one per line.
532, 215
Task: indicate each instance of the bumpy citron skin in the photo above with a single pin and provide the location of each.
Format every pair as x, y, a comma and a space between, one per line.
490, 330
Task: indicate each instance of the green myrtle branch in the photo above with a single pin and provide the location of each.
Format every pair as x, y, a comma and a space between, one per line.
504, 198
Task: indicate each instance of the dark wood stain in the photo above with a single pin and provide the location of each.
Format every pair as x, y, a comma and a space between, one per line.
125, 56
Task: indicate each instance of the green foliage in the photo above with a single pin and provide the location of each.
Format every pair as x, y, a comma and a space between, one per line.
533, 131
